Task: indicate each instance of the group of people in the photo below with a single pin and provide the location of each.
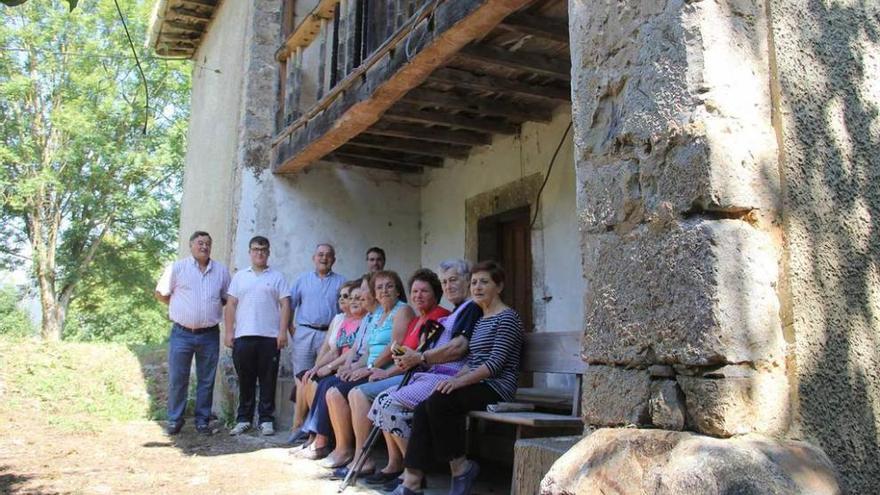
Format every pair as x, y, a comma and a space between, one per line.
365, 355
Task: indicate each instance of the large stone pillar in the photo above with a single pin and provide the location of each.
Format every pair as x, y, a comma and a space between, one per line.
678, 195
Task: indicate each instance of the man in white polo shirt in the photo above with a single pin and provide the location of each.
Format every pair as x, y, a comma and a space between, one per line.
256, 329
194, 289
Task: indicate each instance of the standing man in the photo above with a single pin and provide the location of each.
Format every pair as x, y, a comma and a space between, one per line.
314, 298
375, 259
194, 289
256, 330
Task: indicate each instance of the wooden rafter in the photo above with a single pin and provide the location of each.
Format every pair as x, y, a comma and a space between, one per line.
368, 163
527, 62
410, 146
433, 134
484, 106
467, 80
199, 3
541, 27
398, 157
183, 26
408, 113
188, 13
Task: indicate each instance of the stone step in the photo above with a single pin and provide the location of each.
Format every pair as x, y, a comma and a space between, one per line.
533, 458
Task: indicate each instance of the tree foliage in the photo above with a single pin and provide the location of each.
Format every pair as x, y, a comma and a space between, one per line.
14, 3
87, 197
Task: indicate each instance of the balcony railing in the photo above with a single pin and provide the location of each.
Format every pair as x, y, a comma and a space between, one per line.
331, 44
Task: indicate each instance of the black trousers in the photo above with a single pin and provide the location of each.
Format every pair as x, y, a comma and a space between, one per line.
438, 425
256, 360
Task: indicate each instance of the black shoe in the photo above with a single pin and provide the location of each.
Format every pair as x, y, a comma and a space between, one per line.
173, 427
381, 478
393, 484
203, 429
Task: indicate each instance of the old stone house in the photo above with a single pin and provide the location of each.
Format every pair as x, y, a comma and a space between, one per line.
710, 222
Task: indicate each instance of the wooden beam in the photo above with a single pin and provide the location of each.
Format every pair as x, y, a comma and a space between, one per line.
308, 29
433, 134
191, 13
398, 157
184, 26
476, 104
377, 164
199, 3
541, 27
187, 36
526, 62
408, 113
386, 76
467, 80
415, 147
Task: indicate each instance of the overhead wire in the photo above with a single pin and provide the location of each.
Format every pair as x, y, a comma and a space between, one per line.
138, 62
547, 176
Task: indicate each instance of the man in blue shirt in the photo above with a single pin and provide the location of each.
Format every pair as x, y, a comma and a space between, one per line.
313, 296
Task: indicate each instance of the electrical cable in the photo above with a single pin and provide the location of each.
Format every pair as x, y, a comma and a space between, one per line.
547, 177
138, 62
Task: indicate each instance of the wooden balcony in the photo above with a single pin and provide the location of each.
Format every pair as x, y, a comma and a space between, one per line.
406, 86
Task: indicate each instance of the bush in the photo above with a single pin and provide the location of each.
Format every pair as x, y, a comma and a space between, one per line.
14, 321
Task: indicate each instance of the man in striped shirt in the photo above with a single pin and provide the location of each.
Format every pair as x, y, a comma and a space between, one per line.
194, 289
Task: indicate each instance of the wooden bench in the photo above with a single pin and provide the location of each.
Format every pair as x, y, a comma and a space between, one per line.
546, 352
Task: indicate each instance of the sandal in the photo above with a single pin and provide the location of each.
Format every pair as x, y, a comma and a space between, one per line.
316, 454
329, 464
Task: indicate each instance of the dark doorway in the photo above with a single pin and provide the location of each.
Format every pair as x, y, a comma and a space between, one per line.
506, 238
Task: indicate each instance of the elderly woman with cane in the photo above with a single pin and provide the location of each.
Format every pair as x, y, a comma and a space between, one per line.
392, 410
490, 376
425, 294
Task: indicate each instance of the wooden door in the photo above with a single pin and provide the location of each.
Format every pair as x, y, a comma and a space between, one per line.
506, 238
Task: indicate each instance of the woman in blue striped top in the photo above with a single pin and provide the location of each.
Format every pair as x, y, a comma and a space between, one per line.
438, 429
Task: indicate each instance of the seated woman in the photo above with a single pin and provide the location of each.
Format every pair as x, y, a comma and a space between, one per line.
425, 293
387, 325
331, 373
330, 350
392, 409
490, 376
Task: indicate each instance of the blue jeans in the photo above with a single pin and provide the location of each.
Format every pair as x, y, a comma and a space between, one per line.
181, 348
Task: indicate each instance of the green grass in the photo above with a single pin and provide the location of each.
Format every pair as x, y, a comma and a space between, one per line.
74, 386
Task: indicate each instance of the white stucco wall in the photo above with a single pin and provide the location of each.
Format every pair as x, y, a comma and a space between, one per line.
557, 275
348, 207
212, 138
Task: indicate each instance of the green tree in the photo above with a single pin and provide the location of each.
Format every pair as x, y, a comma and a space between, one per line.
76, 169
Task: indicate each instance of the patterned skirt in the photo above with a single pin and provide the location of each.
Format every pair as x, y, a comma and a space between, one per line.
392, 410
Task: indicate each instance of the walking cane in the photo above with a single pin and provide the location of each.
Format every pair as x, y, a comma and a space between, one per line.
431, 330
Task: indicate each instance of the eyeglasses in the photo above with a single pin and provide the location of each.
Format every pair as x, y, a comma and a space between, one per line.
343, 296
260, 249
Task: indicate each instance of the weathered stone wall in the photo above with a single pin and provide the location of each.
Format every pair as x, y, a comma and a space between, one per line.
676, 163
828, 59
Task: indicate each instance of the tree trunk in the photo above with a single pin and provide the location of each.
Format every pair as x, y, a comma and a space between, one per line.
52, 325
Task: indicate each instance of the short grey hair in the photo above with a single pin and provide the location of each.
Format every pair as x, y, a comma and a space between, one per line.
327, 244
463, 267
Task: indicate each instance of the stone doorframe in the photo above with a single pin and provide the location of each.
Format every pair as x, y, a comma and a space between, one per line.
516, 194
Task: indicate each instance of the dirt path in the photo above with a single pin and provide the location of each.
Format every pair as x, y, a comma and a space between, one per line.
71, 421
137, 457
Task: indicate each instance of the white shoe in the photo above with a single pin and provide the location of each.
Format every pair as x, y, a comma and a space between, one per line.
267, 429
239, 428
